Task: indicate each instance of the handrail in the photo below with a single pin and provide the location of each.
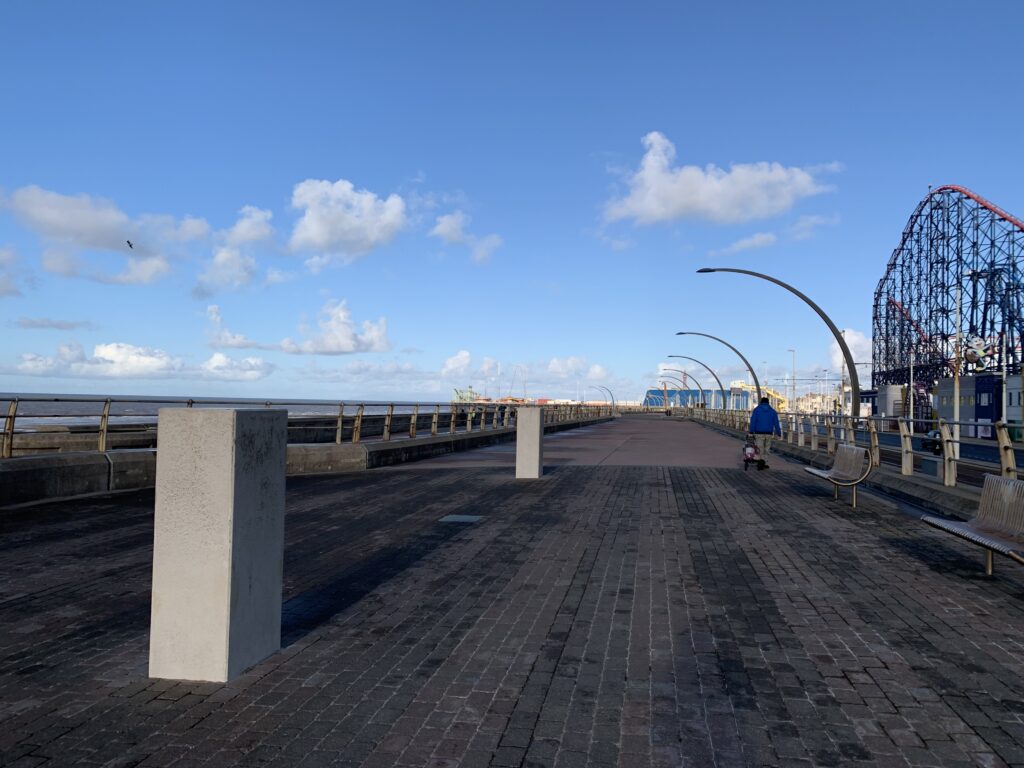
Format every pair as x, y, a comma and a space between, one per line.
51, 424
934, 455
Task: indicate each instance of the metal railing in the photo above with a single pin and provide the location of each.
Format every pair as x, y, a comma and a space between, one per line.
929, 449
41, 425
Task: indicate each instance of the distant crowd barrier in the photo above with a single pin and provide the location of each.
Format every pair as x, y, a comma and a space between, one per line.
39, 426
919, 448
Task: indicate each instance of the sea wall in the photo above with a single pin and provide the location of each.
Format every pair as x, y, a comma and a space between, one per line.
63, 474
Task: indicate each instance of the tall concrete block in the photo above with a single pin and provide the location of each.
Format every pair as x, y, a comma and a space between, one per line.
218, 548
529, 442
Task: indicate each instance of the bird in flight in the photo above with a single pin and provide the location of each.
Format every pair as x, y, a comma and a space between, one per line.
129, 243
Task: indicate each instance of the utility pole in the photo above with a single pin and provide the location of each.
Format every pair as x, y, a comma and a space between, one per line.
792, 402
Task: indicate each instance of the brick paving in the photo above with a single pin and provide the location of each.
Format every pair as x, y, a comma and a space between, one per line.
602, 616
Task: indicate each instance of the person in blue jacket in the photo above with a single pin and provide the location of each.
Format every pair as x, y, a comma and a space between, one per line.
764, 424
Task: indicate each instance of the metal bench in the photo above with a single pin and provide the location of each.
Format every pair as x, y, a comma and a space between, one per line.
847, 470
999, 524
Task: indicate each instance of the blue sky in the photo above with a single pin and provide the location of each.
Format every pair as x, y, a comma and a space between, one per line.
386, 200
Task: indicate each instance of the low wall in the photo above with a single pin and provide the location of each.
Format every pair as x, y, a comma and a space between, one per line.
28, 479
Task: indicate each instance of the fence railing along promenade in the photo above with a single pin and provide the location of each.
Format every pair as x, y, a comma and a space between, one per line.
890, 441
44, 425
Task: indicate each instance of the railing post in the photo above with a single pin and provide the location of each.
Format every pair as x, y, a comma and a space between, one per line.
8, 446
849, 431
357, 426
387, 421
801, 432
830, 436
948, 456
104, 423
1007, 459
412, 421
814, 433
341, 420
434, 420
454, 416
506, 416
790, 429
876, 452
906, 448
494, 418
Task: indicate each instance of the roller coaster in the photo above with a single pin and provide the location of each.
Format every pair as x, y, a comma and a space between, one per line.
956, 274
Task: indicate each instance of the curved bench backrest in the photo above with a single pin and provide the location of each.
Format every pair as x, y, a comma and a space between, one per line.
1002, 505
849, 462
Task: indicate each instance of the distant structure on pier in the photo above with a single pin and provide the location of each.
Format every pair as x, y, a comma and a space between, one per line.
960, 258
950, 300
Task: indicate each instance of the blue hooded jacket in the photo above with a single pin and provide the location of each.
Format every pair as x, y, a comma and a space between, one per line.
764, 420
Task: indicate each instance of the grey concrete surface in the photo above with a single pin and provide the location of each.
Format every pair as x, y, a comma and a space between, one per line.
607, 615
218, 547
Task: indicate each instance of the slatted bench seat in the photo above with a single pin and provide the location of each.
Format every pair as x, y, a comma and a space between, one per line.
999, 524
847, 470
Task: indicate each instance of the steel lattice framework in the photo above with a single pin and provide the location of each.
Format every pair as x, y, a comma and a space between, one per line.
960, 256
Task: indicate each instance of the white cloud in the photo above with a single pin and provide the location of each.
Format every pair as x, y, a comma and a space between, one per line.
759, 240
8, 265
804, 227
490, 367
252, 226
597, 372
222, 338
276, 277
80, 220
338, 334
126, 361
567, 367
339, 220
62, 263
220, 366
46, 323
72, 223
659, 191
860, 348
140, 271
229, 268
457, 365
483, 247
451, 228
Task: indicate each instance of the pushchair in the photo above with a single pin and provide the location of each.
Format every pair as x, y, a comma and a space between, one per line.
751, 453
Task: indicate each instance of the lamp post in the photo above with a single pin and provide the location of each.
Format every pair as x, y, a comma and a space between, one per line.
854, 381
608, 391
703, 397
750, 368
718, 381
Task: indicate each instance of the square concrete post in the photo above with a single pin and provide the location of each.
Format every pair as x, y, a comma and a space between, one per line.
218, 548
529, 442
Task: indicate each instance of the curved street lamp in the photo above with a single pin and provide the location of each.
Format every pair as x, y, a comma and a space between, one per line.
713, 375
854, 381
750, 368
683, 383
703, 397
610, 394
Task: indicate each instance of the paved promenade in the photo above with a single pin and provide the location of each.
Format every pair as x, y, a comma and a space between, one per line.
646, 603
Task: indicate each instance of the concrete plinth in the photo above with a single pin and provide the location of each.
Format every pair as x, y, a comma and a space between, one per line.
218, 547
529, 442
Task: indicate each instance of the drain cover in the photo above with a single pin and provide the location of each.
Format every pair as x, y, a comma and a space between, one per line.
461, 519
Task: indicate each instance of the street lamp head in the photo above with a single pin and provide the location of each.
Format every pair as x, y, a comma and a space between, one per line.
705, 270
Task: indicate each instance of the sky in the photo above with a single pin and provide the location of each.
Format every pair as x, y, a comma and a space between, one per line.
384, 201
